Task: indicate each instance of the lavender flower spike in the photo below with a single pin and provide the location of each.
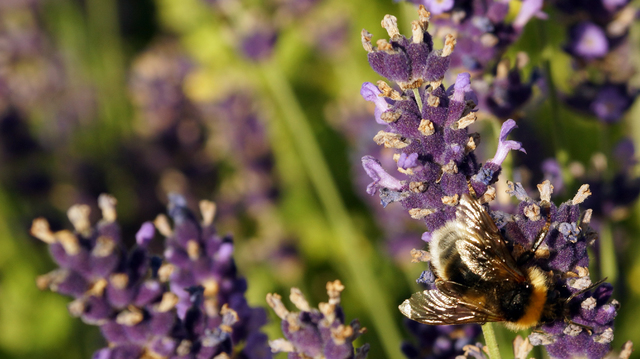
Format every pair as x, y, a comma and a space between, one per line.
316, 333
380, 177
371, 92
505, 146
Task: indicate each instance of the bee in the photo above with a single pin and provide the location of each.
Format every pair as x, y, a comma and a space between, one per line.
478, 280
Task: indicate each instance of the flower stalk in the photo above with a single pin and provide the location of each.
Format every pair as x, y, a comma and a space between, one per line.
490, 340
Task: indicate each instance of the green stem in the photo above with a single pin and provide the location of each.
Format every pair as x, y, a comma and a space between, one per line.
416, 92
490, 340
356, 251
556, 124
608, 263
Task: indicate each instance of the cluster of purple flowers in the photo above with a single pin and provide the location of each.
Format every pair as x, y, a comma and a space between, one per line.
483, 33
427, 126
564, 253
156, 83
439, 342
33, 74
257, 29
317, 333
598, 42
188, 305
436, 149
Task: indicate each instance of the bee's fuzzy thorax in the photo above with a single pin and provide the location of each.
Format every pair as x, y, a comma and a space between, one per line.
537, 301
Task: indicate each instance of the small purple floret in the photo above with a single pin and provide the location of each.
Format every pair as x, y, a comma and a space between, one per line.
528, 10
504, 145
588, 40
437, 7
380, 177
370, 92
408, 161
145, 234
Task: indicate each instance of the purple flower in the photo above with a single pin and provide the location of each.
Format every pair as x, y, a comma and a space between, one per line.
507, 93
614, 5
614, 194
381, 179
608, 102
438, 342
156, 86
588, 41
370, 92
191, 305
434, 149
258, 44
528, 10
408, 62
504, 145
437, 7
553, 173
316, 333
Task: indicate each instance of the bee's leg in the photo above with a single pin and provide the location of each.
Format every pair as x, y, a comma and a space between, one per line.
585, 327
472, 192
566, 305
545, 208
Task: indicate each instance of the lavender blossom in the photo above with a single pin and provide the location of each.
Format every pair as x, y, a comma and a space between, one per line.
156, 86
257, 44
598, 43
439, 342
434, 138
506, 92
607, 101
613, 195
313, 333
565, 254
33, 75
483, 32
139, 301
588, 40
435, 153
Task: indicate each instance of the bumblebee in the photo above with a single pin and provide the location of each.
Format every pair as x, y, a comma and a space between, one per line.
478, 280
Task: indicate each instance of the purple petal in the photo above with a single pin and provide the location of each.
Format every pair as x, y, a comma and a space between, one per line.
462, 89
439, 6
505, 146
380, 177
408, 161
370, 92
529, 9
589, 40
145, 234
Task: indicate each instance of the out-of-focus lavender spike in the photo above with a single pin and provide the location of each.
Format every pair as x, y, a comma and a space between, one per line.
136, 299
439, 342
598, 43
316, 333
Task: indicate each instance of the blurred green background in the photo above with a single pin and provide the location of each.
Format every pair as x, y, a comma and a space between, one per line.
125, 97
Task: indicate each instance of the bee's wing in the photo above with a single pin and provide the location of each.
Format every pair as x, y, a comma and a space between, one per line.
437, 308
483, 249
